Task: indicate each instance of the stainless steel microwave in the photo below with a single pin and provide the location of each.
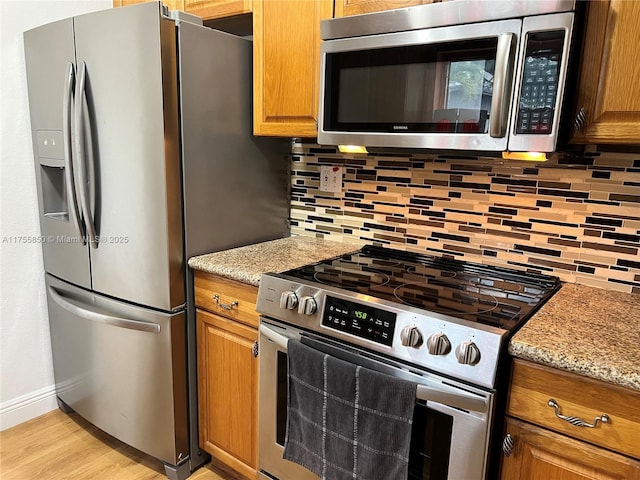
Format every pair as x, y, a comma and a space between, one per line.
479, 75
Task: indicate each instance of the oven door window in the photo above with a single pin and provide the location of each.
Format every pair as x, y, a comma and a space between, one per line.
281, 399
434, 88
430, 444
430, 438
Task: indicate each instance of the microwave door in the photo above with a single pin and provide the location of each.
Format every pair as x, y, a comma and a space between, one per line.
442, 88
542, 70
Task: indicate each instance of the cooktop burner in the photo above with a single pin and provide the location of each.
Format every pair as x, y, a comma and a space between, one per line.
495, 296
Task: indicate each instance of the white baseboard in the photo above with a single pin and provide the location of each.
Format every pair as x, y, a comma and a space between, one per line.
26, 407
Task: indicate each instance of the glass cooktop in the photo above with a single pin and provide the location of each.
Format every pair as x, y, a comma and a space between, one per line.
496, 296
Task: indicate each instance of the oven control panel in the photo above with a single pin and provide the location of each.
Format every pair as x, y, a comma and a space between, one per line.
447, 345
364, 321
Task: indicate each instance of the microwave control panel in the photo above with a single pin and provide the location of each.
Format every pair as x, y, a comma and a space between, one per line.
539, 87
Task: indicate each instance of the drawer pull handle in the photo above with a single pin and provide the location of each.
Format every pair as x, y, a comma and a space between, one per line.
604, 418
226, 306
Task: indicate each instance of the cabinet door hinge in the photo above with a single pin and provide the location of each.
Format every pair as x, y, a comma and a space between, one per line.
256, 349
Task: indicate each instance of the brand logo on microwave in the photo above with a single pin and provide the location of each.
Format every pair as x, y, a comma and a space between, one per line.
400, 127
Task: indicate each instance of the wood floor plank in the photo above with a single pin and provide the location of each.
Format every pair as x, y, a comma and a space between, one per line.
57, 446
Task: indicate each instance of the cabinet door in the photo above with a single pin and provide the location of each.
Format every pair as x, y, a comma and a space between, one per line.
208, 9
609, 91
539, 454
227, 391
286, 65
356, 7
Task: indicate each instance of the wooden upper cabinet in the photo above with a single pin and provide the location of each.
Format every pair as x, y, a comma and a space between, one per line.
210, 9
207, 9
609, 88
172, 4
356, 7
286, 65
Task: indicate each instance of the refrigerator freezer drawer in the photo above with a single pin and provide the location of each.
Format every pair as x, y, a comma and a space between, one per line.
121, 367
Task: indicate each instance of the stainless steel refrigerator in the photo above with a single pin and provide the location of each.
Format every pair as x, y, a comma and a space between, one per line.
144, 156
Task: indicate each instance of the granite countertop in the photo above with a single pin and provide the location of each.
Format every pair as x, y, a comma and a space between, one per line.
247, 264
584, 330
588, 331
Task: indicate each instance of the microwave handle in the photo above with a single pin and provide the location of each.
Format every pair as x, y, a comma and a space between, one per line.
502, 82
423, 392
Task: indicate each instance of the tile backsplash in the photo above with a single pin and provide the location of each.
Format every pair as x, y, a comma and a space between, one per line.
575, 216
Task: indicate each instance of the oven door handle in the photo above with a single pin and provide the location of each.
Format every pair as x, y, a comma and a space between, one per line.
429, 393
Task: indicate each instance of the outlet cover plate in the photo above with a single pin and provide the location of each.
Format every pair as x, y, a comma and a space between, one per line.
330, 179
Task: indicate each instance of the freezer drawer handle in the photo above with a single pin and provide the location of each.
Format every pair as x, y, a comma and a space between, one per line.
226, 306
84, 312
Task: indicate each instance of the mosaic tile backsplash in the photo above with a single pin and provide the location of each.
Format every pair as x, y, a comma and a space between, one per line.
575, 216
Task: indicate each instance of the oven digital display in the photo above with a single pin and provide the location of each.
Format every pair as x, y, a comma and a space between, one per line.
362, 321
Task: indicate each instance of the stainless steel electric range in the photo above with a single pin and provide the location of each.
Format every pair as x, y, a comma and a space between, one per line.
441, 323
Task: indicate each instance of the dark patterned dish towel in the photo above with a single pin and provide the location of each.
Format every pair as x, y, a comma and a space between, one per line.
345, 421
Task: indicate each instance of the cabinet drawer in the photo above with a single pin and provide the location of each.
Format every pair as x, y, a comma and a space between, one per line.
532, 386
227, 298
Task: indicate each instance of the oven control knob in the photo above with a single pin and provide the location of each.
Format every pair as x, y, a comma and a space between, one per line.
438, 344
307, 306
468, 353
288, 300
410, 336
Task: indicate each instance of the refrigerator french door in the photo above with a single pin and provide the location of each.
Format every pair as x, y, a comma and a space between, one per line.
144, 156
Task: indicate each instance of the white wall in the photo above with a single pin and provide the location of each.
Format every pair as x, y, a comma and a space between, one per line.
26, 371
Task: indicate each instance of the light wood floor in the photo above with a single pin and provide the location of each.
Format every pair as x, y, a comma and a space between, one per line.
57, 446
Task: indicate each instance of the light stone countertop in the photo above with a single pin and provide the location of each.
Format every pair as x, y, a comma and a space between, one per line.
584, 330
247, 264
588, 331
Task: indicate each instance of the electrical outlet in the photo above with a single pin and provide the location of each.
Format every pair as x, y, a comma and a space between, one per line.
330, 179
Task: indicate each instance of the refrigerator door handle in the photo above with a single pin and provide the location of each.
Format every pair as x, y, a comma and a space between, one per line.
67, 105
84, 311
80, 145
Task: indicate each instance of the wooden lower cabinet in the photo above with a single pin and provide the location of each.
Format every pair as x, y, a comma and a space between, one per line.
539, 454
227, 331
227, 391
548, 447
